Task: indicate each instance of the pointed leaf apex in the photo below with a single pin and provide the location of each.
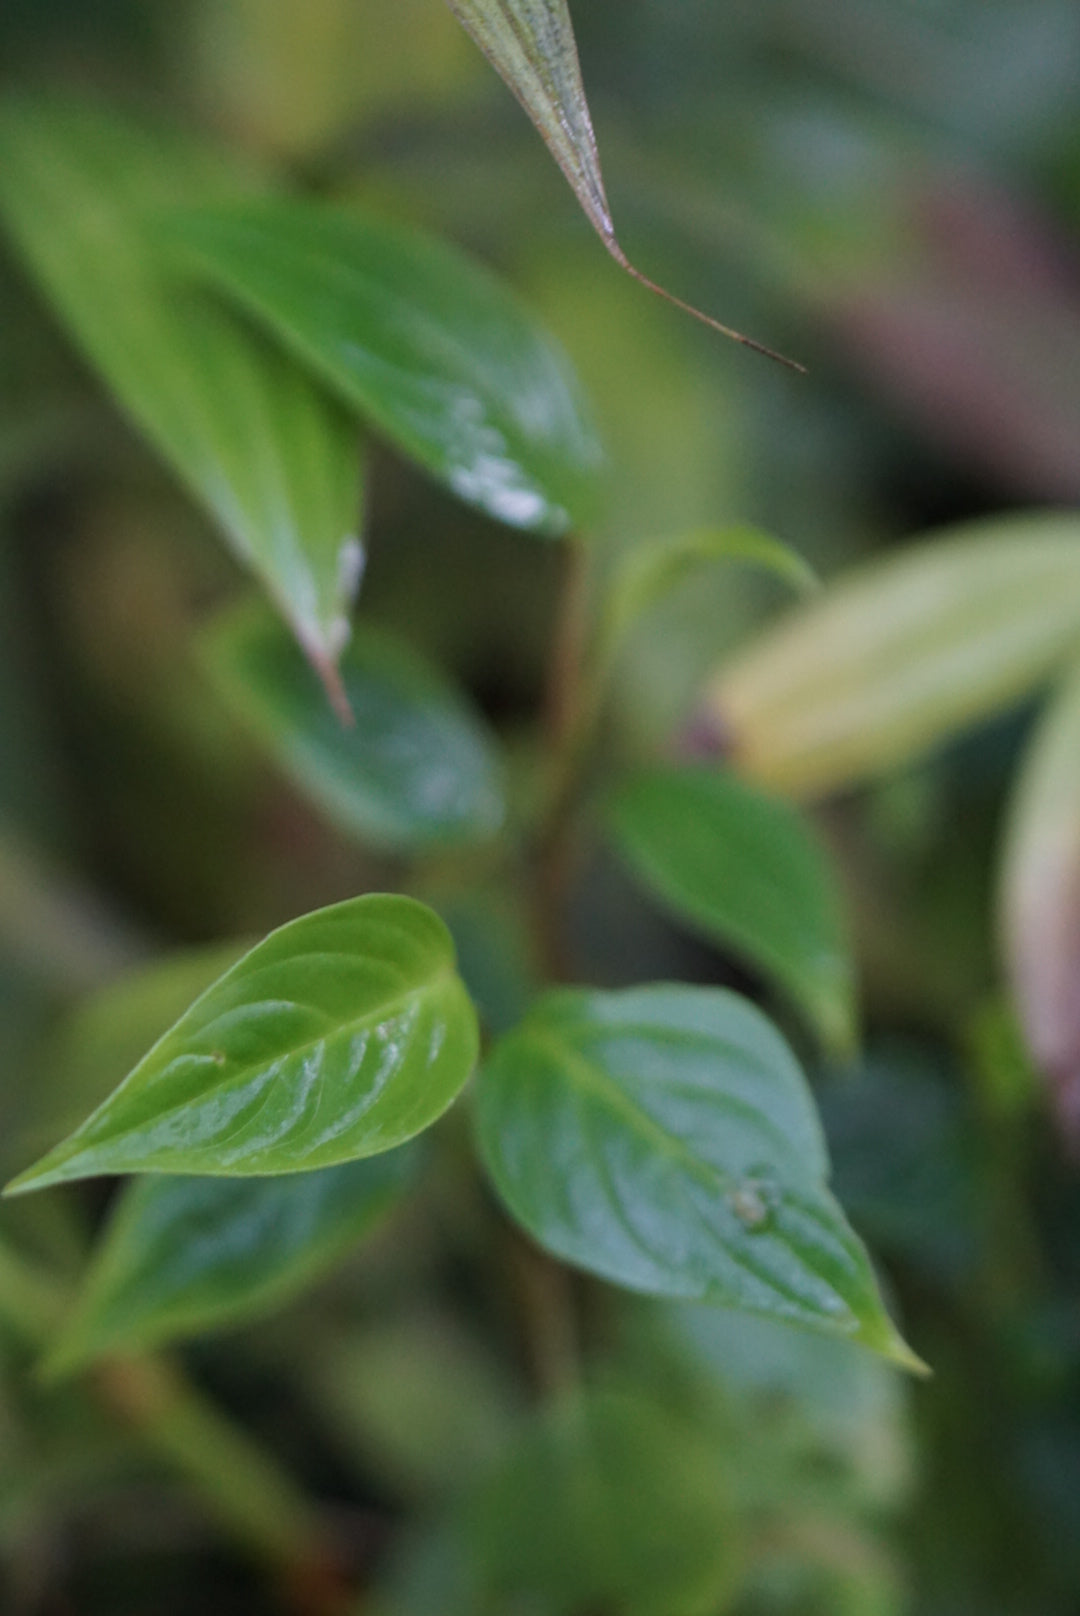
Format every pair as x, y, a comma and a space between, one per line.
882, 1337
531, 45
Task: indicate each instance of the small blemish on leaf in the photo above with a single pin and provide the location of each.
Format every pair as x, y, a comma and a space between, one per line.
753, 1202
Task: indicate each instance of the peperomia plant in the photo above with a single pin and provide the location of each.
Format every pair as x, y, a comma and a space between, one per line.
282, 1099
664, 1139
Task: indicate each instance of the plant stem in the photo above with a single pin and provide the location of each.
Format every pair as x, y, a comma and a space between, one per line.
545, 1296
566, 733
542, 1286
251, 1496
255, 1501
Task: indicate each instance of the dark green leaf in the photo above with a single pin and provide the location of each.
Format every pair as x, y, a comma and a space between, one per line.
275, 461
745, 869
341, 1035
665, 1139
607, 1503
428, 345
415, 768
183, 1256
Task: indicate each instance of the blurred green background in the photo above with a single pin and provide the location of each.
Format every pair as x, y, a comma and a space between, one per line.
888, 190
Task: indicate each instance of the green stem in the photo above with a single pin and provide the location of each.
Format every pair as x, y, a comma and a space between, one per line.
571, 714
253, 1499
548, 1313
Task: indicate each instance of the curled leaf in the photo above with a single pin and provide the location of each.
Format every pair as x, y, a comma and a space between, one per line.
1040, 901
901, 654
651, 571
531, 45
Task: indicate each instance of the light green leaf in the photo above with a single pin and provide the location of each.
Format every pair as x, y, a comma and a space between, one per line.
609, 1502
651, 571
184, 1256
341, 1035
531, 44
414, 769
106, 1033
1040, 900
746, 870
902, 653
429, 346
275, 461
665, 1139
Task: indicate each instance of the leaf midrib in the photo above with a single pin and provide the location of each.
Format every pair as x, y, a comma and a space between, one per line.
345, 1028
595, 1079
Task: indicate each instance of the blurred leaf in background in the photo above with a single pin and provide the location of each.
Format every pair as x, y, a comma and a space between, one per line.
887, 189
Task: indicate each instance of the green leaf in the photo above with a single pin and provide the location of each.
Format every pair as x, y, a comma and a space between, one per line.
1040, 900
107, 1032
429, 346
341, 1035
275, 461
184, 1256
665, 1139
902, 653
414, 769
651, 571
745, 869
609, 1502
531, 45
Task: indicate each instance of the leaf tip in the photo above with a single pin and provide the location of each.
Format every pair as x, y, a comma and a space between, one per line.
53, 1168
884, 1338
699, 315
24, 1183
334, 685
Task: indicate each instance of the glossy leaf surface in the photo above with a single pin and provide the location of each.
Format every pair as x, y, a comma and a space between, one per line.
275, 460
609, 1502
428, 345
415, 768
107, 1033
901, 654
1040, 900
339, 1036
665, 1139
183, 1256
745, 869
